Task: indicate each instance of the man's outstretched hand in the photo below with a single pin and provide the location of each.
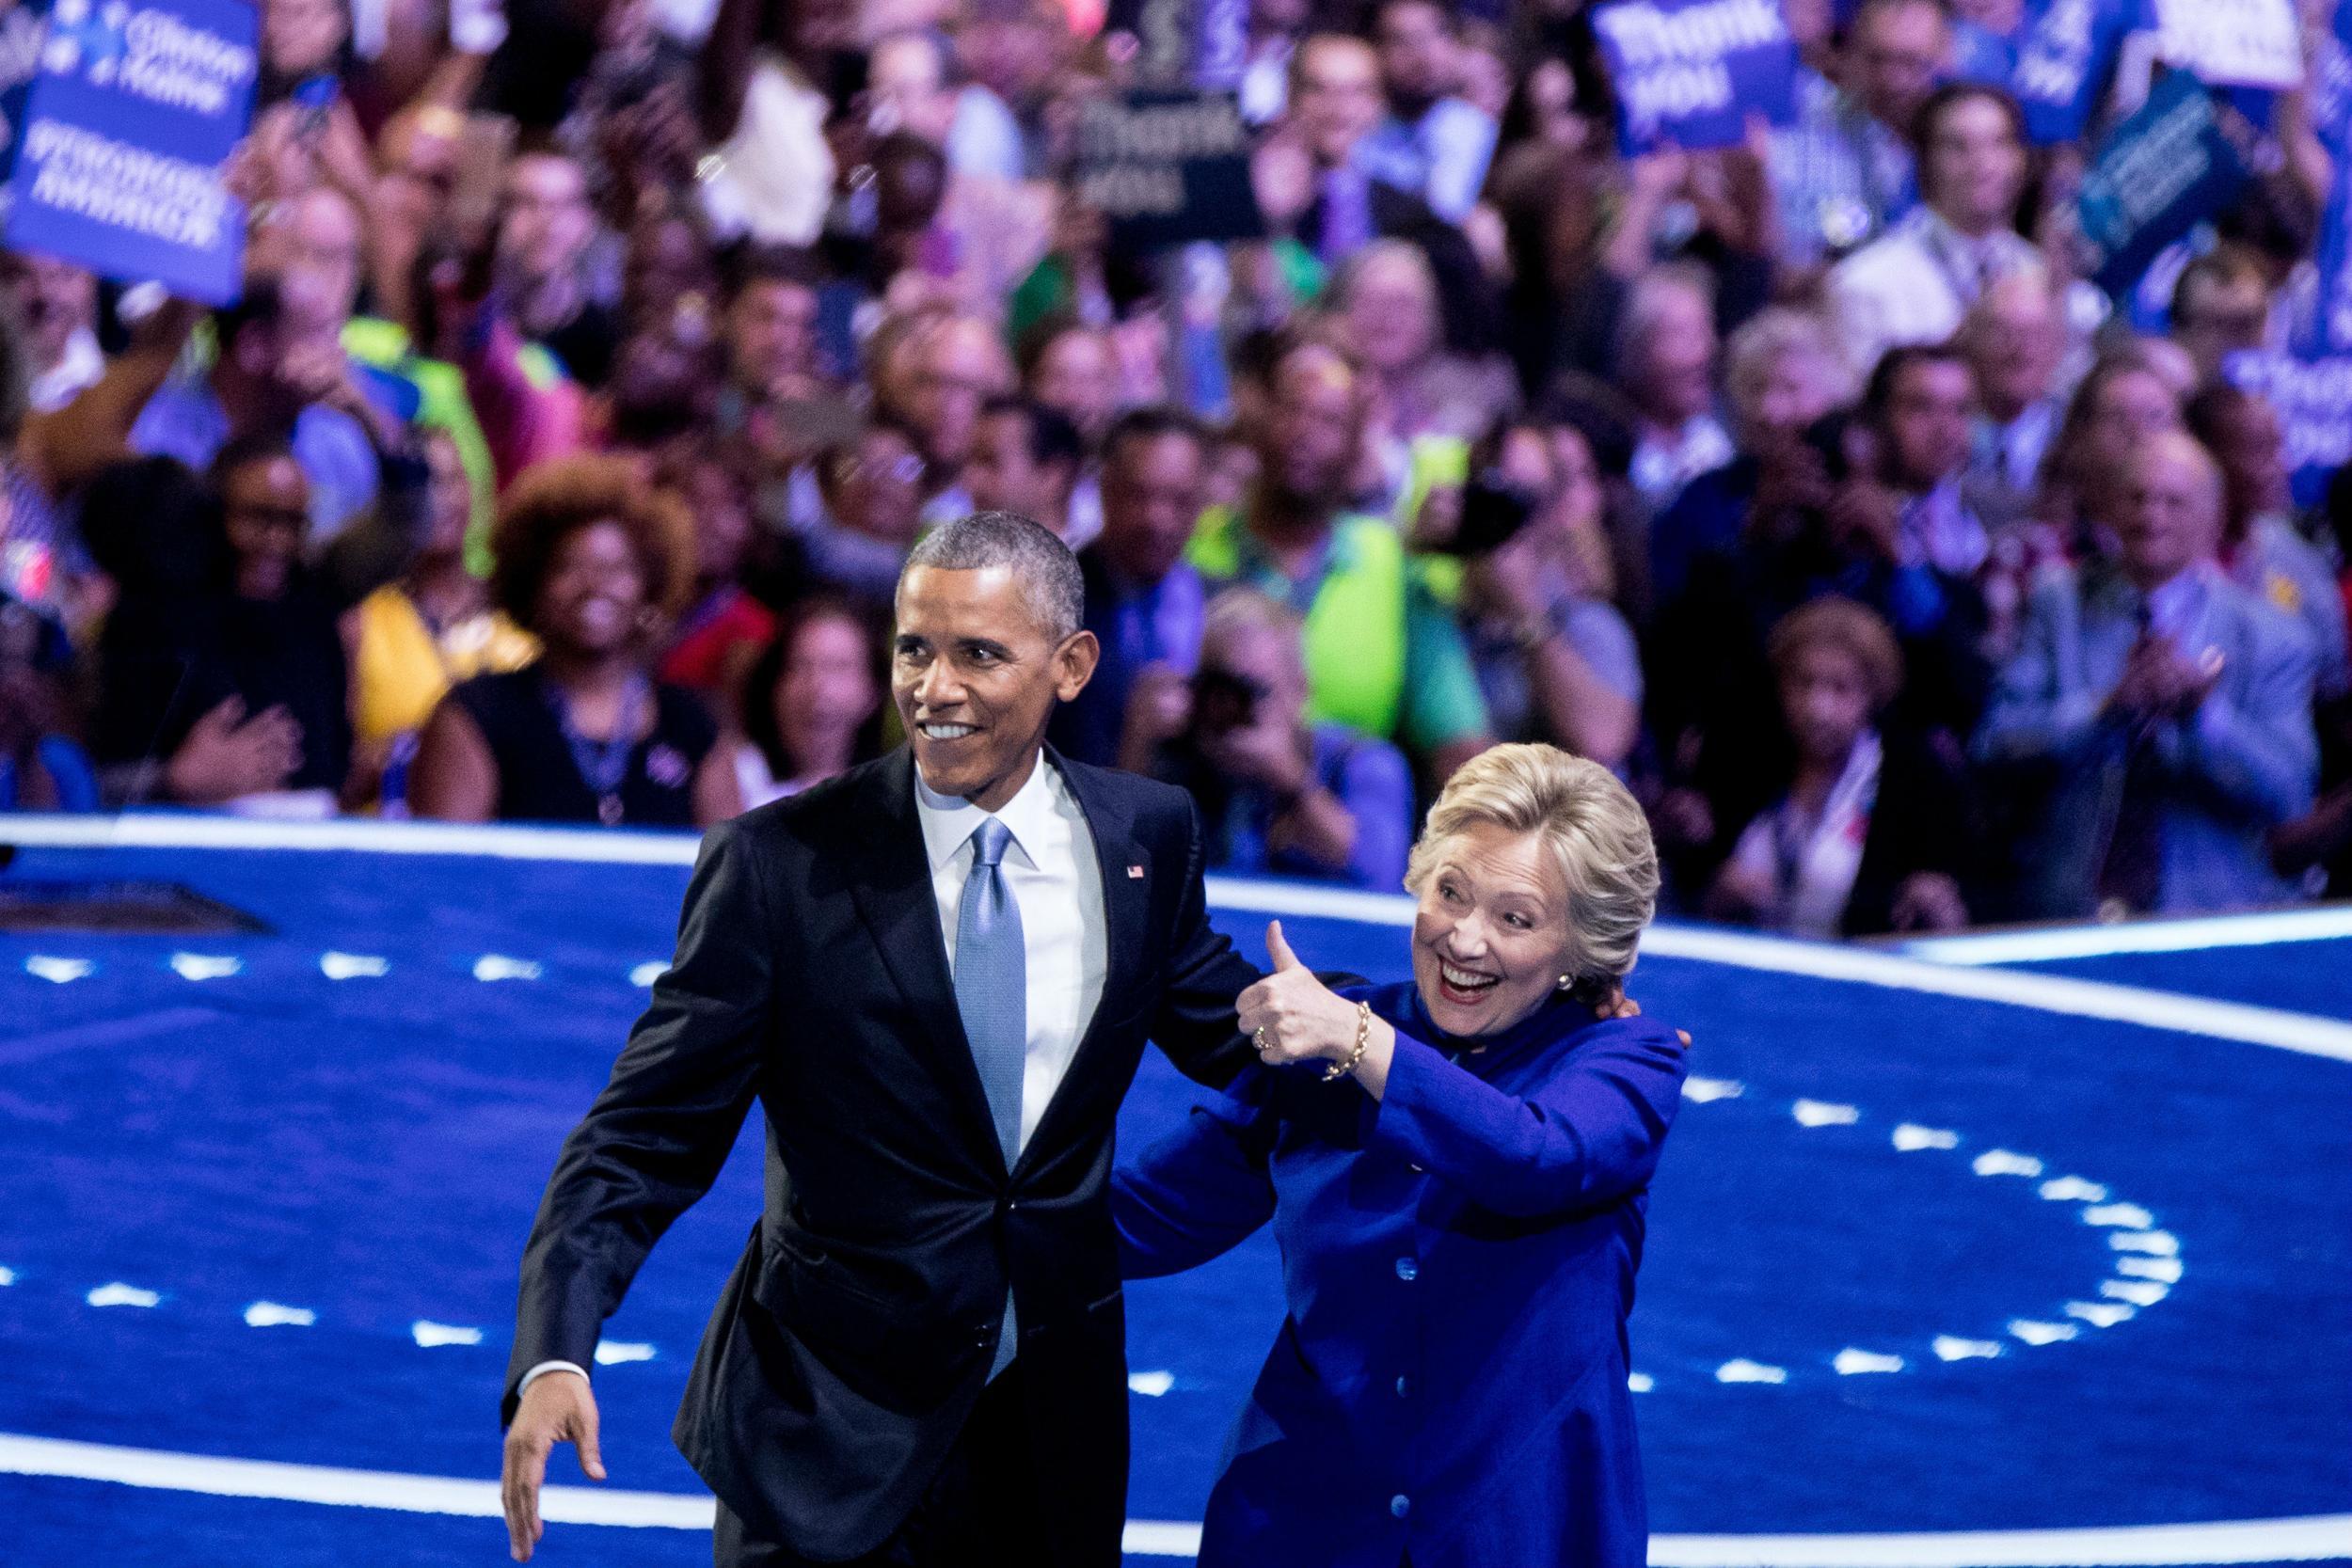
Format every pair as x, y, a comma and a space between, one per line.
556, 1408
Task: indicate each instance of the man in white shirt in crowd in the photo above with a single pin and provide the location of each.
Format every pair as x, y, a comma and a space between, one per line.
1666, 353
56, 301
1917, 284
1843, 171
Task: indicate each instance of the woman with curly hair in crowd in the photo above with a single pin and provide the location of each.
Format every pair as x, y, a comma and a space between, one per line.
594, 561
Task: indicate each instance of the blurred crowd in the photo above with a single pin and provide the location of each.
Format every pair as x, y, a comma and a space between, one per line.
598, 365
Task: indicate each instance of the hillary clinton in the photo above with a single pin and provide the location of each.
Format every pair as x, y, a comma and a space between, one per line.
1456, 1172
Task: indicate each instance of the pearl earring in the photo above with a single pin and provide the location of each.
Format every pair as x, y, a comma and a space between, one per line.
1567, 980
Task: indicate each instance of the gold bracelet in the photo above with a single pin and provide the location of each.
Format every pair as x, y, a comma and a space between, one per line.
1338, 1070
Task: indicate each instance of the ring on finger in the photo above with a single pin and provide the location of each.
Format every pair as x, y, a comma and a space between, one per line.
1259, 1040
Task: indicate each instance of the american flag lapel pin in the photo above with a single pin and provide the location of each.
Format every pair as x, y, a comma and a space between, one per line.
1134, 873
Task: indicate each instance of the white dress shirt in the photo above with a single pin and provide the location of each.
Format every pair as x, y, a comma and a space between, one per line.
1056, 880
2007, 457
1915, 284
774, 178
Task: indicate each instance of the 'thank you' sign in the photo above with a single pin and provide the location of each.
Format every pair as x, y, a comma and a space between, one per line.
1688, 73
126, 135
2066, 54
1166, 168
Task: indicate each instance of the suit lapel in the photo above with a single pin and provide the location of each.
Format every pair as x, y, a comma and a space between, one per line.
895, 899
1126, 911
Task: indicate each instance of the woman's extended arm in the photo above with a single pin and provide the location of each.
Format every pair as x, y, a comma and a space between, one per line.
455, 778
1199, 1191
67, 447
1589, 1136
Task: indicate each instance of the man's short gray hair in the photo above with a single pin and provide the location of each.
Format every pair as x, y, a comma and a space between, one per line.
1042, 565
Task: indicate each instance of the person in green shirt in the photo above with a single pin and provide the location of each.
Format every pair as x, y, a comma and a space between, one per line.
443, 406
1384, 655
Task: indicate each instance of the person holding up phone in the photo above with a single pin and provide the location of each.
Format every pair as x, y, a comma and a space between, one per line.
1278, 793
306, 132
1555, 658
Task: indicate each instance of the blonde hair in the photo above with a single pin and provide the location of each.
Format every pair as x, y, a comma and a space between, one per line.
1780, 332
1594, 829
1250, 609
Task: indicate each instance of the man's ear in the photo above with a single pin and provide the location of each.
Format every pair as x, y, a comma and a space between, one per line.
1073, 664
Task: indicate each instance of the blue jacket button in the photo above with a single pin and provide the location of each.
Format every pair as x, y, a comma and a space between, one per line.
1400, 1505
1407, 1270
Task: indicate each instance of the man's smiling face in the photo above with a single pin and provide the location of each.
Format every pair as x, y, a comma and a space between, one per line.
975, 673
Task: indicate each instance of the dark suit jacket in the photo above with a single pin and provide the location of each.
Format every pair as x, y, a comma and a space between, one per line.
1925, 819
856, 1332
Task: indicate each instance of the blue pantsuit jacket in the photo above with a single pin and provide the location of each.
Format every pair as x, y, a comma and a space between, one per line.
1458, 1262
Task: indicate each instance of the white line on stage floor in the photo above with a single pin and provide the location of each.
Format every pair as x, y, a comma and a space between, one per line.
2233, 1021
2308, 1540
2122, 1546
189, 831
497, 841
2328, 923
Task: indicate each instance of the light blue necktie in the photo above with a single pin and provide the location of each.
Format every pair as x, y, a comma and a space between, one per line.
993, 994
992, 981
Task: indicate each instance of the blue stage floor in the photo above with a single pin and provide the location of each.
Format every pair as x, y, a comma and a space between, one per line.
1919, 1262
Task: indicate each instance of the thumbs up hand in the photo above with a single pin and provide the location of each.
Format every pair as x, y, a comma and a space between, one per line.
1289, 1016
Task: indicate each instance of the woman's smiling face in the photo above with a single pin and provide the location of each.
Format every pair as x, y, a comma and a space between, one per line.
594, 594
1491, 938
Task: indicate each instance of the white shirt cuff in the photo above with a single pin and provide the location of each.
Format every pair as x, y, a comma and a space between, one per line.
543, 1369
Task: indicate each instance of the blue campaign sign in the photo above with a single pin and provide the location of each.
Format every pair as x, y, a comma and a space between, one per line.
2314, 400
1688, 72
2064, 58
135, 111
2167, 169
22, 27
2311, 384
2330, 329
2331, 84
